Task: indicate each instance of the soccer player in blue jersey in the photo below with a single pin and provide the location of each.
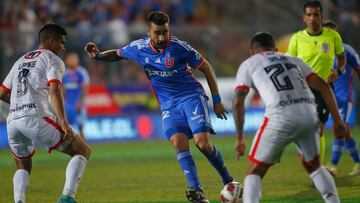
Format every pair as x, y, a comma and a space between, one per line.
343, 94
168, 63
76, 84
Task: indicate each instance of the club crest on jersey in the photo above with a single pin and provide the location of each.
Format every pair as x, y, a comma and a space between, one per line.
32, 54
169, 62
325, 47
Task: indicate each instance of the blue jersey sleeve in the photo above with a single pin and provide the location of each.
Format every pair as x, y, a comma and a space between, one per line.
193, 58
352, 58
129, 52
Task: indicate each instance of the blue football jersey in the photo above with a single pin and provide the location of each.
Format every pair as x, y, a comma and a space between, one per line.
73, 82
343, 85
169, 71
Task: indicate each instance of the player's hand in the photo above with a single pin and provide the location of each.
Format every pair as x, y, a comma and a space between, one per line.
91, 49
240, 148
69, 134
340, 130
220, 111
332, 77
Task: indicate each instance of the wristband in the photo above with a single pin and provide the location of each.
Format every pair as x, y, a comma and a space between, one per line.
216, 99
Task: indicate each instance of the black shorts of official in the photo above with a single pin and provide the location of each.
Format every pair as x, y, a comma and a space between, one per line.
321, 107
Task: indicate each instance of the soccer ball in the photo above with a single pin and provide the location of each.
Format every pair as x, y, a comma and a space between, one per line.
231, 193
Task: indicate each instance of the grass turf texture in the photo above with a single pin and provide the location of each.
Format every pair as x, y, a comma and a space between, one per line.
148, 172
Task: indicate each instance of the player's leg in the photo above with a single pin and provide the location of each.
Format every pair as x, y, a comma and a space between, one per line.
308, 148
323, 114
253, 182
80, 120
21, 178
203, 143
178, 133
22, 150
266, 149
50, 136
351, 146
197, 114
80, 152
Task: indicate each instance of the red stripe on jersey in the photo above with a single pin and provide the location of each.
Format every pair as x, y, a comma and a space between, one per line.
25, 157
310, 75
257, 162
5, 88
262, 128
200, 63
53, 123
54, 80
242, 86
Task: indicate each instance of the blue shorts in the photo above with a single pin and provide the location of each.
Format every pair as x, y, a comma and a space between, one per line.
345, 108
189, 117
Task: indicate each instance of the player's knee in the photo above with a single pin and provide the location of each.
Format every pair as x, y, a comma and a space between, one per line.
205, 146
179, 143
86, 151
312, 165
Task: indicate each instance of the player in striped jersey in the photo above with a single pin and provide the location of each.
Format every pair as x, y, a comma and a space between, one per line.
283, 83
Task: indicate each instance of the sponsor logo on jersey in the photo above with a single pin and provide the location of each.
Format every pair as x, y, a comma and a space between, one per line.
164, 74
292, 101
24, 106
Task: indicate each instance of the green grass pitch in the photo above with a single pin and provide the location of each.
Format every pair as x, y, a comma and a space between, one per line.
148, 172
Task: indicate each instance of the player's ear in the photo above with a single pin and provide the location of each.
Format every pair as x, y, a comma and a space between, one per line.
252, 52
276, 49
147, 31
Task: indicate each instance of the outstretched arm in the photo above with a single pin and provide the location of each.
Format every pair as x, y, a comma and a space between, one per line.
238, 113
319, 84
93, 52
5, 95
209, 73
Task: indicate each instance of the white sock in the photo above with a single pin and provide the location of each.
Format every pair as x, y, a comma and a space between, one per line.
252, 189
21, 181
74, 171
325, 184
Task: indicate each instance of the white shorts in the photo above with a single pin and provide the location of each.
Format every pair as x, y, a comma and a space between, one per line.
24, 132
274, 135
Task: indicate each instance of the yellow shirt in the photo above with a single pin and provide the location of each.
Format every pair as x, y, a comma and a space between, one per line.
317, 51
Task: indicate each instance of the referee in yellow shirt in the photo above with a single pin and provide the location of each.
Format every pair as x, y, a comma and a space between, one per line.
317, 46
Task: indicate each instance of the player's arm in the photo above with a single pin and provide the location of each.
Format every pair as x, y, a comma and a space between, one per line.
5, 94
324, 88
238, 107
93, 52
209, 73
57, 100
341, 63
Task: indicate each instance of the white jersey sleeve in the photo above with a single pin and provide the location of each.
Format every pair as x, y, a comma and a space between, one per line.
55, 70
243, 78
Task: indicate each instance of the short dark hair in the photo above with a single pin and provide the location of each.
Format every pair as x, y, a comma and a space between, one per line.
50, 30
331, 24
313, 4
262, 40
158, 18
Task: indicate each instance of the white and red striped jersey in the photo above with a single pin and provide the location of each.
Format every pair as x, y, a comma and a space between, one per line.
28, 81
280, 81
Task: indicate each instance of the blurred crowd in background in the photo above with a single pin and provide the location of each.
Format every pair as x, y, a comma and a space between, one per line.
217, 29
